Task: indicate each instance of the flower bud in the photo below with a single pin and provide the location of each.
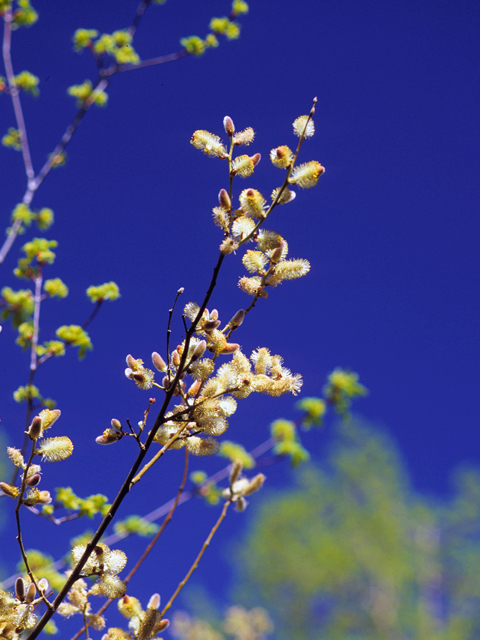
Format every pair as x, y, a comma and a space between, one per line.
237, 319
195, 388
241, 504
199, 350
154, 602
210, 325
8, 490
237, 467
116, 424
161, 626
230, 347
276, 254
32, 481
229, 126
176, 358
43, 585
224, 200
20, 589
255, 484
44, 497
35, 429
158, 362
30, 597
256, 159
132, 363
109, 436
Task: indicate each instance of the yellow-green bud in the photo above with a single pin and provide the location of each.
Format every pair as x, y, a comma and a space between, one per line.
224, 200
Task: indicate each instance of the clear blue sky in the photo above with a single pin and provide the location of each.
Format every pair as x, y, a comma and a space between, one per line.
391, 231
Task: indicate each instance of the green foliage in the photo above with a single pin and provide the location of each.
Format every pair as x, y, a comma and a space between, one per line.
89, 507
38, 252
135, 525
85, 94
314, 409
24, 15
83, 38
44, 218
12, 139
196, 46
239, 7
75, 336
42, 565
208, 490
17, 306
106, 291
28, 82
354, 553
53, 347
29, 393
342, 387
234, 451
288, 444
56, 288
225, 27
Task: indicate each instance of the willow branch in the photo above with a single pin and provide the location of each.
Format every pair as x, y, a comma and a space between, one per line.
199, 557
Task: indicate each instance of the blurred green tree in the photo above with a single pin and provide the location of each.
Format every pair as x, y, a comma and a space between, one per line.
354, 552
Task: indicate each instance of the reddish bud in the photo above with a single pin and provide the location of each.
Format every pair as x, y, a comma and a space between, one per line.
20, 589
199, 350
30, 597
32, 481
256, 159
224, 200
158, 362
35, 428
237, 319
229, 126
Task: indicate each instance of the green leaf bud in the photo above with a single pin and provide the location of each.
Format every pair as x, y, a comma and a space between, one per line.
28, 82
12, 139
56, 288
106, 291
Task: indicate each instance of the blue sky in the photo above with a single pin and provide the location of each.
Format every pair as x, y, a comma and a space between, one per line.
391, 231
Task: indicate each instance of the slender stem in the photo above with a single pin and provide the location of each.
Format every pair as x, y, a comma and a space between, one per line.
14, 93
152, 62
199, 557
169, 325
37, 299
19, 527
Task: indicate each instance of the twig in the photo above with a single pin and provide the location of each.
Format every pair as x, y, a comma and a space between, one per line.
14, 93
199, 557
37, 299
19, 527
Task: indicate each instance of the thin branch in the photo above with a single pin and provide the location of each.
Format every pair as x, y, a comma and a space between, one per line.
14, 93
152, 62
199, 557
19, 527
37, 299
